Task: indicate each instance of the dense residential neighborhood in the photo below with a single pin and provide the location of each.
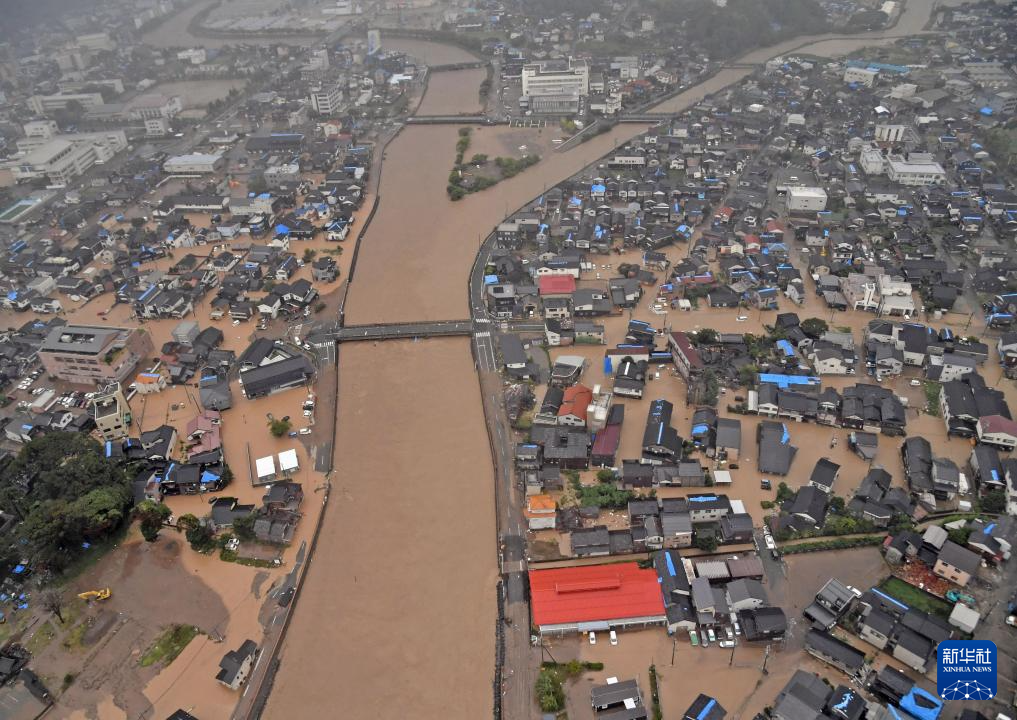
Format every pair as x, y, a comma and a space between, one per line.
697, 318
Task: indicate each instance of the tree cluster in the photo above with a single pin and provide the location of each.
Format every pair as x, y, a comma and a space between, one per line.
75, 495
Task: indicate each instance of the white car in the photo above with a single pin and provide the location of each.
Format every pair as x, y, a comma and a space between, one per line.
304, 431
614, 638
741, 318
593, 638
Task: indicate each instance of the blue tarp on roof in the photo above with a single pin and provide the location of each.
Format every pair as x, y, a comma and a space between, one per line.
784, 381
598, 188
208, 478
282, 230
490, 279
702, 498
700, 429
921, 705
785, 345
608, 369
670, 564
18, 569
785, 437
706, 710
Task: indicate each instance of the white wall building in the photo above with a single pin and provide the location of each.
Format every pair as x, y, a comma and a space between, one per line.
44, 129
156, 127
555, 84
58, 160
916, 170
154, 105
862, 76
195, 56
806, 199
890, 133
46, 104
194, 163
326, 99
872, 161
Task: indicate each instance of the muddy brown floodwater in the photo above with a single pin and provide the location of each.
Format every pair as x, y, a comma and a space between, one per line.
398, 607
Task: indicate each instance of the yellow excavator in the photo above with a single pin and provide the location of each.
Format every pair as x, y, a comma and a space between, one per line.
96, 594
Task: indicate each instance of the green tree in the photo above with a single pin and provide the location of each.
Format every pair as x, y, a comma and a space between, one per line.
837, 505
784, 492
256, 184
309, 254
814, 327
605, 475
994, 501
706, 336
152, 516
707, 542
243, 527
279, 426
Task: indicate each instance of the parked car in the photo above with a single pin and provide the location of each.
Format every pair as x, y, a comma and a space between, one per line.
614, 637
593, 638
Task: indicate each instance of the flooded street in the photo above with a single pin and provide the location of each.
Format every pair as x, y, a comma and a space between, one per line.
398, 607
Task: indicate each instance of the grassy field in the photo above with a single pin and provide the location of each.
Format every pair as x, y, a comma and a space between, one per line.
41, 638
916, 598
168, 645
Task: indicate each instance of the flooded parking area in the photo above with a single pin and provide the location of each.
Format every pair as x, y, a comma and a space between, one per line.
398, 607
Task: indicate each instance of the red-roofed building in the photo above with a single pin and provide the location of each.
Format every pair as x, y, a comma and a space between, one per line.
557, 285
998, 431
595, 597
686, 357
574, 404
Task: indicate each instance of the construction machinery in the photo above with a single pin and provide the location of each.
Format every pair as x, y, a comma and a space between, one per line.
96, 594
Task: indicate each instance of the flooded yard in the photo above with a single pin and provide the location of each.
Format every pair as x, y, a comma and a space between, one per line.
196, 94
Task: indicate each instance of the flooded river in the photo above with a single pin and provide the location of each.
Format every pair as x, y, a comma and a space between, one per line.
398, 607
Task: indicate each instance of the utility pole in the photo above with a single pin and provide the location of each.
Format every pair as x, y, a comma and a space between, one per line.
766, 657
674, 646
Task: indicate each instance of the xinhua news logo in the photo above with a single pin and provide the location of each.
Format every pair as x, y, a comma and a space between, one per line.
966, 670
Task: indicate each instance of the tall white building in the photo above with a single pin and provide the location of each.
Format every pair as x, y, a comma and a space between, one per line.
46, 104
58, 160
556, 77
890, 133
326, 99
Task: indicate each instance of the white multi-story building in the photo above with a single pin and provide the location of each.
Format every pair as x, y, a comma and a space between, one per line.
862, 76
916, 170
806, 199
105, 144
195, 56
872, 161
555, 86
890, 133
44, 129
895, 296
326, 99
58, 160
46, 104
154, 105
156, 127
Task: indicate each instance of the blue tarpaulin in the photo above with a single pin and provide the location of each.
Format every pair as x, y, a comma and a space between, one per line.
490, 279
608, 368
